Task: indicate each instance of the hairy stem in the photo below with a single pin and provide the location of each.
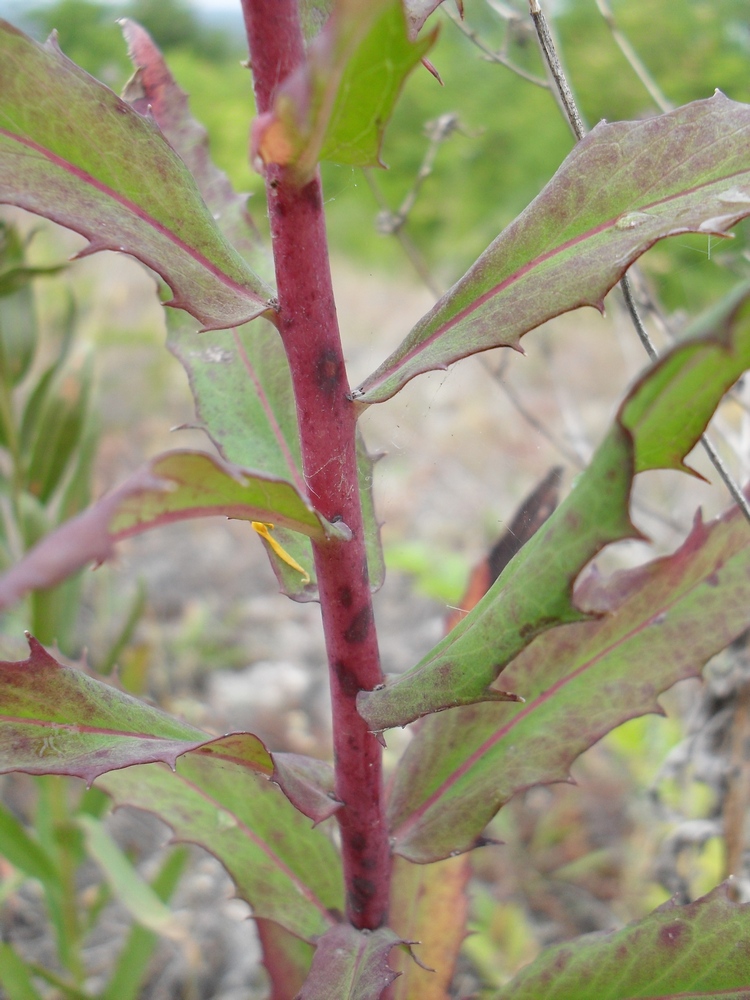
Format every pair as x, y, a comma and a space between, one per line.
309, 329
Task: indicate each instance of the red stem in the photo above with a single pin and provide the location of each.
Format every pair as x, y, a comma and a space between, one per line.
309, 329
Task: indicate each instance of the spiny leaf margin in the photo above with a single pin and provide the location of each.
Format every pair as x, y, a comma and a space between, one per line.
696, 952
622, 188
534, 591
579, 683
172, 487
126, 191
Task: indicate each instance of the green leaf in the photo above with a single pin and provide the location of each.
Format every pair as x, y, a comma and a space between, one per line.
60, 430
58, 720
25, 853
243, 394
694, 952
15, 976
659, 422
287, 871
18, 326
350, 963
137, 896
172, 487
126, 981
153, 92
579, 681
127, 191
307, 783
622, 188
429, 906
287, 959
240, 379
186, 484
336, 106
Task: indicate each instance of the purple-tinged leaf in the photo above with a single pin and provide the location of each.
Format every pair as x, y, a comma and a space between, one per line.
417, 12
172, 487
240, 379
696, 952
58, 720
657, 425
579, 682
622, 188
336, 106
287, 870
152, 90
286, 958
74, 152
429, 907
307, 783
350, 963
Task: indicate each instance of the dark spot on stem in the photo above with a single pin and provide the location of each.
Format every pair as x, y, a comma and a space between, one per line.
328, 372
359, 626
362, 891
357, 842
347, 684
345, 596
311, 194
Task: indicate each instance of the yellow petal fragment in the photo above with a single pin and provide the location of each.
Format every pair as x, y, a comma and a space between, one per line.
264, 530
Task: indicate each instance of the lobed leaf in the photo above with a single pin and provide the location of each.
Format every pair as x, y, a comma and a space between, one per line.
657, 425
58, 720
127, 191
696, 952
172, 487
336, 106
622, 188
350, 963
578, 682
285, 869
